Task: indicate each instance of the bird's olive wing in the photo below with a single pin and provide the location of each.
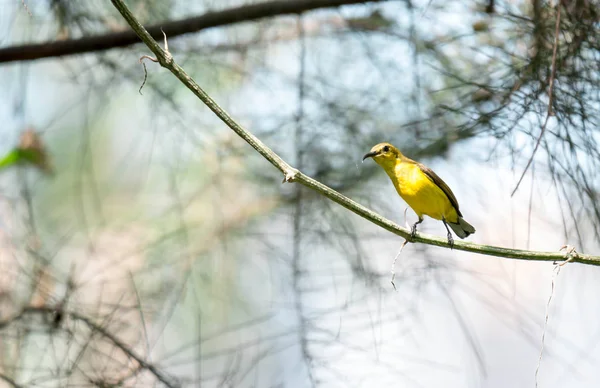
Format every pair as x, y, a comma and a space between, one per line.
442, 185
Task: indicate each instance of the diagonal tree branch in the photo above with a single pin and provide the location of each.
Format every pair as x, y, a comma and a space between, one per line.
244, 13
292, 175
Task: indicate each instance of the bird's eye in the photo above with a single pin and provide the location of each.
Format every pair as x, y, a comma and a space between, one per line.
386, 149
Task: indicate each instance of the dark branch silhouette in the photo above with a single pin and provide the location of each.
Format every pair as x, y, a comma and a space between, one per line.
175, 28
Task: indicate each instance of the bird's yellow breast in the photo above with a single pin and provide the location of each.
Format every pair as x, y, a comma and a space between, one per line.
421, 193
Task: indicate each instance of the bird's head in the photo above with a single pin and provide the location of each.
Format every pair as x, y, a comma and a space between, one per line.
384, 154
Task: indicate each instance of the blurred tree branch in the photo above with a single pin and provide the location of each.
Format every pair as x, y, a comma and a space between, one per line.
97, 329
165, 59
9, 381
175, 28
550, 88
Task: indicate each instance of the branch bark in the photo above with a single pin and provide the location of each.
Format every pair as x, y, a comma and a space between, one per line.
245, 13
293, 175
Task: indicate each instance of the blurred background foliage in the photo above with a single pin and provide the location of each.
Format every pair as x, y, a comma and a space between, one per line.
163, 251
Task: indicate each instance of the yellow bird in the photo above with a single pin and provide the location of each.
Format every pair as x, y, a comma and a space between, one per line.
421, 188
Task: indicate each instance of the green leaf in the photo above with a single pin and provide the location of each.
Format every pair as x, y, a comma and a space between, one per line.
10, 159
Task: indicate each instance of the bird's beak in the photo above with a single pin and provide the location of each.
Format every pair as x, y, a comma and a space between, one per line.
369, 155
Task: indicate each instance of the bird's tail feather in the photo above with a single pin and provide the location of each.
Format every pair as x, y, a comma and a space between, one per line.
462, 228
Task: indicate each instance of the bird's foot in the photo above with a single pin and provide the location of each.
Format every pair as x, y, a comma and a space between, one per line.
450, 240
413, 232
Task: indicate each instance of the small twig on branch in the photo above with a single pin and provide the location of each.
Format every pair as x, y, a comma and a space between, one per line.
153, 60
293, 175
145, 73
26, 8
394, 264
399, 252
550, 112
571, 254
